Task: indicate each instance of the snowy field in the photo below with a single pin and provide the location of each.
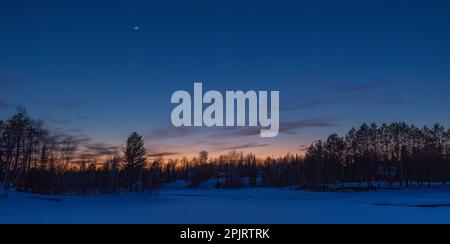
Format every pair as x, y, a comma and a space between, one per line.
253, 206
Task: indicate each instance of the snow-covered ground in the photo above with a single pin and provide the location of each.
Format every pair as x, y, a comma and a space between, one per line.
175, 204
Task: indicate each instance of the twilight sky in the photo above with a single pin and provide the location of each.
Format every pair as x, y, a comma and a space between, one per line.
83, 68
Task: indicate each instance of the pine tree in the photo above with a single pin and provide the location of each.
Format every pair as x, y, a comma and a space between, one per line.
135, 161
135, 152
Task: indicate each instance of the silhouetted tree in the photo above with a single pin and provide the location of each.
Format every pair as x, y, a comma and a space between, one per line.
135, 158
203, 157
135, 152
334, 156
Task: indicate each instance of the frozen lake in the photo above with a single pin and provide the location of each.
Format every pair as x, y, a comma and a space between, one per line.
253, 206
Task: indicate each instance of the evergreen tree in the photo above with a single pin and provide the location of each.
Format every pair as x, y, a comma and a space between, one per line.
135, 152
135, 161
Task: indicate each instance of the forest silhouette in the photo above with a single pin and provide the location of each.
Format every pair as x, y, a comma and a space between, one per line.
37, 160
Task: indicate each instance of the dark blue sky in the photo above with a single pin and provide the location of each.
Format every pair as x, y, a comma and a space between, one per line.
80, 66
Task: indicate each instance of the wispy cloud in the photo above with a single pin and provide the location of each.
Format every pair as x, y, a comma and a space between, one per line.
65, 137
101, 149
290, 127
333, 101
173, 132
162, 154
307, 104
293, 126
243, 146
360, 87
56, 121
226, 132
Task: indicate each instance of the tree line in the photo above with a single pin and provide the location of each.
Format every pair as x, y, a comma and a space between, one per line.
35, 159
373, 154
